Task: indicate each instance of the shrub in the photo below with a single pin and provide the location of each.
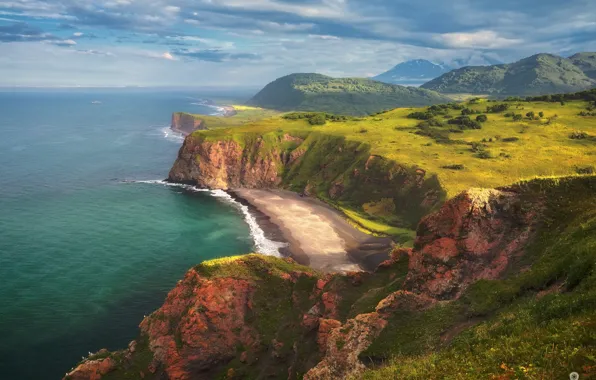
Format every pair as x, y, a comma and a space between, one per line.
421, 115
530, 115
517, 117
454, 167
481, 118
541, 114
585, 170
464, 122
510, 139
509, 114
484, 154
318, 119
578, 135
497, 108
363, 130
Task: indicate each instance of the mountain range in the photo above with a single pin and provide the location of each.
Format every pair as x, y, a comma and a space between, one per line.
536, 75
413, 72
345, 96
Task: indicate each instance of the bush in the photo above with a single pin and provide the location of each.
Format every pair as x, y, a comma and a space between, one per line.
517, 117
530, 115
497, 108
484, 154
363, 130
318, 119
481, 118
464, 122
585, 170
454, 167
578, 135
510, 139
541, 114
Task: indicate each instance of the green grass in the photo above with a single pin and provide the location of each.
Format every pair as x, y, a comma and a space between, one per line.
500, 153
244, 115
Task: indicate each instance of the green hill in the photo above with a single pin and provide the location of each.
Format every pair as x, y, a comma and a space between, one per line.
536, 75
346, 96
586, 62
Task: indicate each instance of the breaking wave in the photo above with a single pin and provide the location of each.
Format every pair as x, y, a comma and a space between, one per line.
262, 243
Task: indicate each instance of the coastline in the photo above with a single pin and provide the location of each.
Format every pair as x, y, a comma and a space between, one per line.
185, 130
317, 235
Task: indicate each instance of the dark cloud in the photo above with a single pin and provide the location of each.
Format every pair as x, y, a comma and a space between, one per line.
21, 32
214, 55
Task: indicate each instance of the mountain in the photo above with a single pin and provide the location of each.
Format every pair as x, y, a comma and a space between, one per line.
586, 62
412, 72
536, 75
346, 96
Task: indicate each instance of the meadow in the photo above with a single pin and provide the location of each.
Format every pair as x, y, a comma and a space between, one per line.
516, 140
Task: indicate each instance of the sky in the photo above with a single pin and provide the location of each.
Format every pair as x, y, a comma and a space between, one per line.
231, 43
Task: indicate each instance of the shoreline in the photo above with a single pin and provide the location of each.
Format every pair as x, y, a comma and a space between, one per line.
317, 235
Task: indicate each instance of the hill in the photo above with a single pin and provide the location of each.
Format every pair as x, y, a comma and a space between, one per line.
536, 75
345, 96
586, 62
412, 72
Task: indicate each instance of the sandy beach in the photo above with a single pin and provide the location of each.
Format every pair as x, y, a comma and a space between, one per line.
318, 235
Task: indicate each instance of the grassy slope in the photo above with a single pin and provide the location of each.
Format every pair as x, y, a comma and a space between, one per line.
538, 74
244, 115
542, 149
348, 96
538, 323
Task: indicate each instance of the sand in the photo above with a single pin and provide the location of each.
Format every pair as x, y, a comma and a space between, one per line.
318, 235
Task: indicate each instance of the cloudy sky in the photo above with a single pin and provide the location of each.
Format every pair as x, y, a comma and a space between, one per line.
250, 42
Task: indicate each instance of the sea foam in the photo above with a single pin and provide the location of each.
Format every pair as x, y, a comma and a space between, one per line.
262, 243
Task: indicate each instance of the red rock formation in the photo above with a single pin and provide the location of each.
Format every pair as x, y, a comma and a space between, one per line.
473, 236
225, 165
200, 325
186, 123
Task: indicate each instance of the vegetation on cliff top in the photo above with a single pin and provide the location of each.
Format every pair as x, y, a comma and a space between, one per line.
514, 140
346, 96
243, 115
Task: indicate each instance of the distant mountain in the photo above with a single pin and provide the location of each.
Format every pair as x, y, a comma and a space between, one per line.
536, 75
586, 62
346, 96
416, 72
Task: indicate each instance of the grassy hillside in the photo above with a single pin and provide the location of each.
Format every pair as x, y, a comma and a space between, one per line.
347, 96
539, 322
507, 147
586, 62
535, 75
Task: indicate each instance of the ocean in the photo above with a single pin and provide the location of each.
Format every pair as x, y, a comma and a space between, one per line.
91, 240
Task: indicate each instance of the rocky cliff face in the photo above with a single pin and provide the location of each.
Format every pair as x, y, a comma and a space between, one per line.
186, 123
320, 165
255, 317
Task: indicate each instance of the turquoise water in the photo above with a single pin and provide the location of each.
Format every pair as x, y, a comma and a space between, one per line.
84, 254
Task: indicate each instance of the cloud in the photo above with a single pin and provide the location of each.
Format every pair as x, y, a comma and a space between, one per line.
483, 39
168, 56
214, 55
21, 32
66, 43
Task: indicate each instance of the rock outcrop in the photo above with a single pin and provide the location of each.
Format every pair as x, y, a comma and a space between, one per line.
473, 236
186, 123
225, 164
319, 165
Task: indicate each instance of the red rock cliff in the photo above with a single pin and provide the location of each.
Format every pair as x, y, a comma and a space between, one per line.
185, 123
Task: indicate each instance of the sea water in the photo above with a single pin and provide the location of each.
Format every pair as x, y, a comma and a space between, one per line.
91, 239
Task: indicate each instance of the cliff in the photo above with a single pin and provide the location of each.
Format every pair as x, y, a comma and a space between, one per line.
329, 167
496, 279
186, 123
